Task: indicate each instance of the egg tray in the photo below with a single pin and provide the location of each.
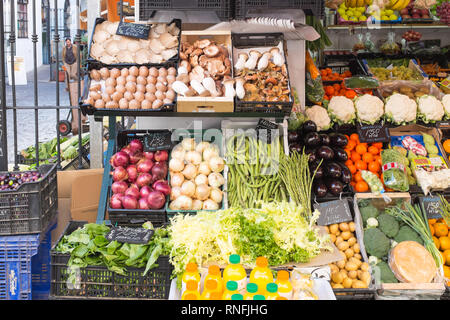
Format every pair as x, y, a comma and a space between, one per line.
96, 64
88, 109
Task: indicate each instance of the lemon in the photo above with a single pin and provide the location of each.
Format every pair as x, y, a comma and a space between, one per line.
361, 9
384, 17
344, 17
355, 19
341, 12
362, 18
389, 12
349, 12
358, 14
393, 17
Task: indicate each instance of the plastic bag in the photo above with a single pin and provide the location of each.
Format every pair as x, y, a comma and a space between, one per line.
370, 46
394, 172
390, 46
313, 87
359, 45
373, 181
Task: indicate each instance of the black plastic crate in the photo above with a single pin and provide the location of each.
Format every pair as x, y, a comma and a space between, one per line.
311, 7
223, 8
97, 282
446, 295
250, 40
31, 207
340, 64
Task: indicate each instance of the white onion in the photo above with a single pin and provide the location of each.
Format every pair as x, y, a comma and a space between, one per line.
182, 203
188, 188
189, 171
210, 205
175, 193
193, 157
202, 146
178, 152
216, 195
211, 151
204, 168
188, 144
216, 180
176, 165
176, 179
216, 164
202, 192
197, 204
201, 179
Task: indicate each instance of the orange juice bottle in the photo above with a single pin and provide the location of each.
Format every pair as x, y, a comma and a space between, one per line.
261, 275
214, 274
272, 291
252, 289
230, 289
284, 285
191, 273
191, 292
235, 272
210, 287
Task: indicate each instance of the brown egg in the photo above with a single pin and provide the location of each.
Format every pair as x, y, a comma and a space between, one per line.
134, 71
153, 72
131, 78
121, 80
95, 75
161, 79
114, 73
139, 96
131, 86
163, 72
95, 95
150, 97
169, 86
89, 100
95, 87
161, 87
116, 96
99, 103
172, 71
146, 104
160, 95
104, 72
151, 79
121, 88
143, 71
128, 95
170, 78
110, 90
141, 88
112, 105
141, 80
134, 104
123, 103
110, 82
167, 101
150, 87
170, 94
157, 104
124, 72
106, 97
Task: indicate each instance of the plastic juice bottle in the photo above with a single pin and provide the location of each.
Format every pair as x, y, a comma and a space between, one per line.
231, 288
235, 272
284, 285
272, 291
216, 295
191, 273
261, 275
214, 274
191, 292
259, 297
210, 287
252, 289
237, 296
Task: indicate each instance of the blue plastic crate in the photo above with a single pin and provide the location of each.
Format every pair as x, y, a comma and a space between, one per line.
25, 266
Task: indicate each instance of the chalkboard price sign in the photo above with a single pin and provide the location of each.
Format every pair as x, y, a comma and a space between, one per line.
373, 133
160, 140
443, 124
331, 212
431, 205
130, 235
133, 30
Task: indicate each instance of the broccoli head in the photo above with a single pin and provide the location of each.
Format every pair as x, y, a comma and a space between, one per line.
376, 243
368, 212
386, 274
407, 234
388, 225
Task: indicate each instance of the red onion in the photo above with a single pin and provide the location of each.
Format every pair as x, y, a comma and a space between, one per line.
149, 155
143, 204
129, 202
143, 179
126, 150
119, 187
159, 171
132, 192
121, 159
145, 166
132, 173
120, 174
145, 191
156, 200
136, 157
115, 201
162, 186
136, 146
161, 155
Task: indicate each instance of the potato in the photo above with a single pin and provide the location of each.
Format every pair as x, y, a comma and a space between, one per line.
365, 277
343, 226
352, 226
356, 248
351, 266
355, 261
358, 284
344, 273
357, 255
351, 241
338, 233
359, 274
341, 264
343, 256
352, 274
343, 246
338, 240
346, 235
349, 253
334, 268
347, 283
334, 228
328, 229
365, 266
337, 277
333, 238
338, 286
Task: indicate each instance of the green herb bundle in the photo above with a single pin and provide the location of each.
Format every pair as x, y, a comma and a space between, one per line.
445, 209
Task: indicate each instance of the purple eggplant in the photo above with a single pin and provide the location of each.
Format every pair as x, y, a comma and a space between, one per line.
312, 139
325, 152
333, 170
340, 154
320, 189
338, 140
335, 187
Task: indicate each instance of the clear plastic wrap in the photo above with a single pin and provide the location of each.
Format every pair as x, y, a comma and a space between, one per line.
394, 172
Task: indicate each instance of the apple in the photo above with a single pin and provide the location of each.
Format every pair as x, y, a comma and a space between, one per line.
416, 16
424, 12
404, 12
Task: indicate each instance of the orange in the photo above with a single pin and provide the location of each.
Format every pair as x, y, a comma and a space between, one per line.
447, 257
351, 144
446, 145
361, 165
329, 90
336, 87
358, 177
349, 153
367, 157
348, 162
361, 186
447, 273
436, 242
445, 243
443, 257
378, 159
354, 137
355, 156
378, 145
352, 168
431, 228
374, 167
373, 150
441, 229
432, 221
361, 149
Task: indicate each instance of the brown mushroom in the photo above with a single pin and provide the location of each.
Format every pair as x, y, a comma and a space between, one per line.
211, 50
202, 44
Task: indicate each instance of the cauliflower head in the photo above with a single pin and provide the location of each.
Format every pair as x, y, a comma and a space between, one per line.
319, 116
369, 109
430, 109
446, 104
342, 110
400, 109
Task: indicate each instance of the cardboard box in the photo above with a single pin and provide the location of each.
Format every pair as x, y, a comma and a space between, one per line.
207, 104
411, 65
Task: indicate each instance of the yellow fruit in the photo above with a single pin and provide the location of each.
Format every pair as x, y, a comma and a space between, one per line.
337, 286
357, 14
352, 225
384, 18
341, 11
355, 19
393, 17
389, 12
344, 226
349, 253
362, 18
344, 17
361, 9
334, 228
369, 2
447, 257
343, 246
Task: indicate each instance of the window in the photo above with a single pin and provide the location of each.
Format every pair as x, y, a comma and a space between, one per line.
22, 19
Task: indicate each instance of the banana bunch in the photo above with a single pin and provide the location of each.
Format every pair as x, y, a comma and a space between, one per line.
398, 4
357, 3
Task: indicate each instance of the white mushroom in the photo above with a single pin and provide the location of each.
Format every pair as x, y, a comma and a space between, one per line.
168, 40
107, 59
277, 57
156, 58
197, 86
156, 46
252, 60
173, 29
97, 50
169, 53
101, 36
182, 70
112, 47
160, 28
180, 88
210, 85
142, 56
112, 28
242, 57
264, 61
240, 91
153, 34
133, 46
229, 90
125, 56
